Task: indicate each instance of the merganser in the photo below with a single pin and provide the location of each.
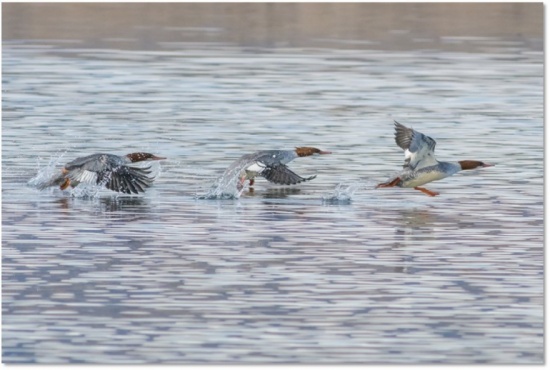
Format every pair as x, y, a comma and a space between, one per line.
271, 165
420, 165
110, 170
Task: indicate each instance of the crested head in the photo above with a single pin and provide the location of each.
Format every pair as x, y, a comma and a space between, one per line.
305, 151
470, 165
138, 157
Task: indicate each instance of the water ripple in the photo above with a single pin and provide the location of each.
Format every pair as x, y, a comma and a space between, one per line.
332, 270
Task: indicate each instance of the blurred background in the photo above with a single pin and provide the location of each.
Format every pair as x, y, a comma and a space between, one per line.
388, 26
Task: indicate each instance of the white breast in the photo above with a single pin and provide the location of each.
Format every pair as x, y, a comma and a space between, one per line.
422, 178
434, 173
256, 167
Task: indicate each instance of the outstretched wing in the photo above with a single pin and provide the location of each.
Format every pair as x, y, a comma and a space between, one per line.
281, 174
126, 179
419, 148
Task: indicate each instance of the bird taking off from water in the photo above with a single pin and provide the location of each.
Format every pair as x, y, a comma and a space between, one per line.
271, 165
420, 166
112, 171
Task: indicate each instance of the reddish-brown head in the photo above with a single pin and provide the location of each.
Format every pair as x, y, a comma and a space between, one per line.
305, 151
470, 165
138, 157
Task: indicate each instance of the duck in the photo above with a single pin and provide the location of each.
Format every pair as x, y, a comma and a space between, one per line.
421, 166
112, 171
272, 165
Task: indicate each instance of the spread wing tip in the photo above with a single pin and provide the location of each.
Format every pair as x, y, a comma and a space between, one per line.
129, 180
282, 175
403, 135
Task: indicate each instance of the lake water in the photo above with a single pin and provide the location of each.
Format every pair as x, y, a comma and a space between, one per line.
328, 271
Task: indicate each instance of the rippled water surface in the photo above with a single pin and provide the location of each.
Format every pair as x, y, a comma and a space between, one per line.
328, 271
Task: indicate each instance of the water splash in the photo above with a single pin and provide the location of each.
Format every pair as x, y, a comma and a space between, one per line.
46, 174
344, 191
226, 186
86, 191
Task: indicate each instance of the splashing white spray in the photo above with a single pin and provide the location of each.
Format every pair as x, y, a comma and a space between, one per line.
225, 187
344, 191
46, 174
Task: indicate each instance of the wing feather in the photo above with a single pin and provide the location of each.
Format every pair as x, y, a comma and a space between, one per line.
281, 174
126, 179
419, 148
80, 175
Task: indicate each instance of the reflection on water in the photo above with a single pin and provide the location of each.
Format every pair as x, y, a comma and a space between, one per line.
278, 193
329, 271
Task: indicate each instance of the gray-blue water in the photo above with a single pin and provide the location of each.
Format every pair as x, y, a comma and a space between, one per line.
328, 271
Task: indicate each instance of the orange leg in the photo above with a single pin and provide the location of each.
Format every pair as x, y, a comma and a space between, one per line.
426, 191
389, 184
240, 184
65, 184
